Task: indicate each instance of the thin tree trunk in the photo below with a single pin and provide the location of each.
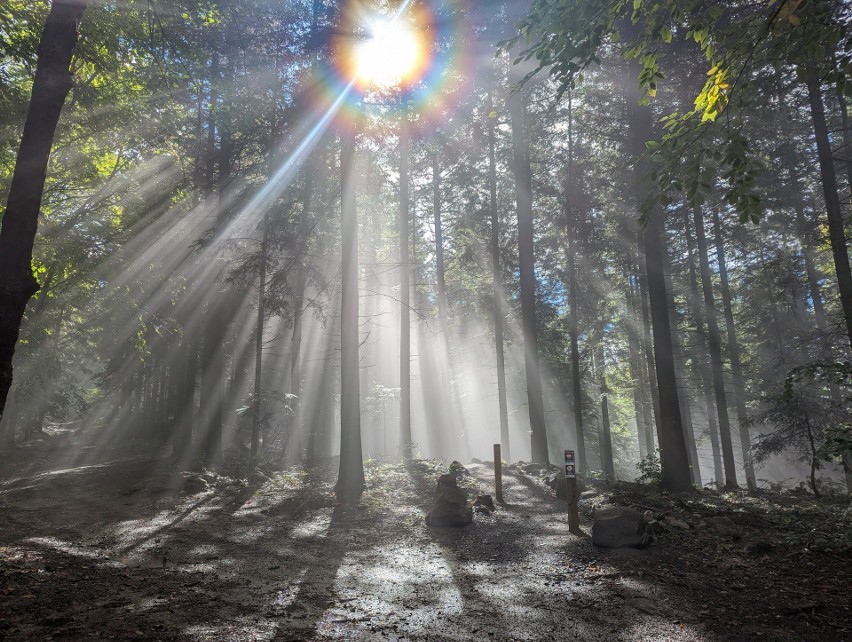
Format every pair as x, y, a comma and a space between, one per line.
810, 269
814, 457
648, 347
573, 329
257, 406
51, 85
607, 466
496, 282
735, 353
635, 370
350, 479
298, 312
404, 296
699, 364
715, 345
836, 231
526, 255
642, 375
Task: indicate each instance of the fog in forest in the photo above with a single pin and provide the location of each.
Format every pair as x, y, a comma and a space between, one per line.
360, 245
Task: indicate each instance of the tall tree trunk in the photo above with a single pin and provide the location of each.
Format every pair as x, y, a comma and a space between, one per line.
350, 479
642, 375
213, 380
635, 370
441, 295
648, 345
441, 287
51, 85
836, 231
682, 395
572, 183
297, 429
526, 256
496, 280
673, 456
404, 296
257, 406
674, 460
607, 466
715, 344
734, 352
699, 364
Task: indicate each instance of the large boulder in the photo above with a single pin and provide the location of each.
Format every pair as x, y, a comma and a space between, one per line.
450, 507
618, 527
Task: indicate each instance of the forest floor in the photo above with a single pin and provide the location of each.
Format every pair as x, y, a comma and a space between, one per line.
126, 549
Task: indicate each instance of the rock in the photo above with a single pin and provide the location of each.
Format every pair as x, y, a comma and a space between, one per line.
485, 502
458, 471
450, 507
195, 484
677, 523
618, 527
534, 469
475, 461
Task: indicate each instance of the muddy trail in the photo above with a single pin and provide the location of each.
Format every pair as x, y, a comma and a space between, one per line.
125, 549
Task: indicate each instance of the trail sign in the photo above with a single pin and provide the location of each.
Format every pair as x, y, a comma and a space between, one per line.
569, 464
571, 483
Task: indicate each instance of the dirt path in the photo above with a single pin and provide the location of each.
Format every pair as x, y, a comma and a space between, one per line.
118, 551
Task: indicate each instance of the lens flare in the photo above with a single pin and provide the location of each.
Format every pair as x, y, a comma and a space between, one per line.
390, 56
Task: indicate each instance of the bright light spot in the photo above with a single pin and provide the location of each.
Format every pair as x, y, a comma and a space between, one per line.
389, 56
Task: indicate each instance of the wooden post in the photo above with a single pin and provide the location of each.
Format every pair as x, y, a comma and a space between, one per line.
573, 513
498, 474
571, 486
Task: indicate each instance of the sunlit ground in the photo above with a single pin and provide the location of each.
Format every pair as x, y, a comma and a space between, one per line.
280, 561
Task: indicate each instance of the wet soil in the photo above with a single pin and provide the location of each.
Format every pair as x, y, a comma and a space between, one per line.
121, 549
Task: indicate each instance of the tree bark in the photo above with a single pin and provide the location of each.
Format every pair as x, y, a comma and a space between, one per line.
405, 444
496, 282
257, 406
699, 364
836, 231
51, 85
526, 255
635, 370
682, 395
715, 345
350, 479
573, 321
734, 352
673, 457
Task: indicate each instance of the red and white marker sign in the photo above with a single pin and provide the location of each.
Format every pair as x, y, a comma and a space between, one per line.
570, 471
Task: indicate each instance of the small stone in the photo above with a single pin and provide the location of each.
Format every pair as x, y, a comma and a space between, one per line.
485, 501
677, 523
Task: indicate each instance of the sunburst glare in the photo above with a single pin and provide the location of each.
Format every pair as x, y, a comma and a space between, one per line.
390, 56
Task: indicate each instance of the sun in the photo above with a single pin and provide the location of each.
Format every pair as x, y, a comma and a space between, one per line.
391, 55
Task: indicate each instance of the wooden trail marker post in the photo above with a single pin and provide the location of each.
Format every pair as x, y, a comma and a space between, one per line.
571, 481
498, 474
